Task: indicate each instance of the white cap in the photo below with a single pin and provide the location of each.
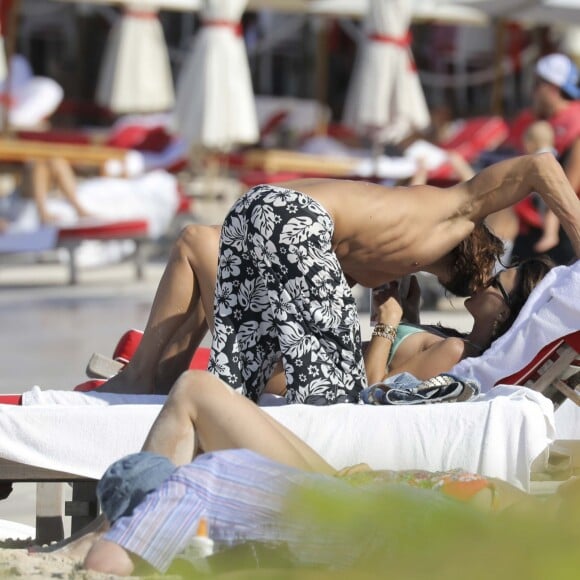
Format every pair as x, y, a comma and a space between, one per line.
560, 71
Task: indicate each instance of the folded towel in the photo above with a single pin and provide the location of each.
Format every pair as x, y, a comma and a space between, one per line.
406, 389
37, 396
551, 312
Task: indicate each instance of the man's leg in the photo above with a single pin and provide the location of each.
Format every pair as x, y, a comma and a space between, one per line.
177, 322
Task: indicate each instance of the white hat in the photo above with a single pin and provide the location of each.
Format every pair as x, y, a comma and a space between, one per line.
560, 71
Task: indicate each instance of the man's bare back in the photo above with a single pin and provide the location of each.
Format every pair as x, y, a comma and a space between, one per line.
382, 233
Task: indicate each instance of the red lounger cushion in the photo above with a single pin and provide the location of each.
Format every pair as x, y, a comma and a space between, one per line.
105, 230
10, 399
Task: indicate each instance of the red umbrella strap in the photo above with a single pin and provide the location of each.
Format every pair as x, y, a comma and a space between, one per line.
143, 14
236, 27
7, 99
401, 41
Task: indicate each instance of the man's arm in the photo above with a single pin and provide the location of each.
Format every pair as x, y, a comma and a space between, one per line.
550, 237
572, 166
507, 182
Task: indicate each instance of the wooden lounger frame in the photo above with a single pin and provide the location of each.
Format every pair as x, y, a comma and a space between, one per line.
22, 150
135, 230
50, 505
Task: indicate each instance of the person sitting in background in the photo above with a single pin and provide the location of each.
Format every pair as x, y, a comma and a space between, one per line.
31, 101
554, 100
38, 184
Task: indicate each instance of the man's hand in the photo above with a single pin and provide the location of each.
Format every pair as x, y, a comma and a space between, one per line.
412, 301
546, 242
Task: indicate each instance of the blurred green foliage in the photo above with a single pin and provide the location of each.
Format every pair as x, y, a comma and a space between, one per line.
403, 532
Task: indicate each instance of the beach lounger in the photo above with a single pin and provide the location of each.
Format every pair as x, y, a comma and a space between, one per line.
71, 237
72, 437
137, 210
78, 154
136, 230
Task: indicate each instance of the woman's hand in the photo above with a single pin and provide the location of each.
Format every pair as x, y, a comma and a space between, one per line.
395, 302
387, 304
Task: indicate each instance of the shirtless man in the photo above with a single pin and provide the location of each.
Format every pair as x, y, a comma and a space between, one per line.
289, 254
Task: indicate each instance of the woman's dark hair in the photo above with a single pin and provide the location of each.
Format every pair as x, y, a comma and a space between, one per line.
473, 260
530, 273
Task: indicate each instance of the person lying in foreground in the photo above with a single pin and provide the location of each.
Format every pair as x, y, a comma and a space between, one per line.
237, 466
288, 256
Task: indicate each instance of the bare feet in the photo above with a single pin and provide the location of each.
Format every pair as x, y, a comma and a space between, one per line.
48, 219
126, 382
83, 213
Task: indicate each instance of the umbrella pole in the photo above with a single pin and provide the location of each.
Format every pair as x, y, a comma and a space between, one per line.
10, 36
376, 150
322, 75
498, 81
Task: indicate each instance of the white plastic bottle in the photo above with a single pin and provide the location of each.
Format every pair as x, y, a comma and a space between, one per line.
199, 547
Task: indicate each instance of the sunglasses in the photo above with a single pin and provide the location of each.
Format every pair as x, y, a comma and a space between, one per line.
496, 283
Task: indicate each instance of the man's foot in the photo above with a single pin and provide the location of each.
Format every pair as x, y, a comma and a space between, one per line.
122, 383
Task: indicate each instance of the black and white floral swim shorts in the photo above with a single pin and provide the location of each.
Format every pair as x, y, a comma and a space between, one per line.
282, 295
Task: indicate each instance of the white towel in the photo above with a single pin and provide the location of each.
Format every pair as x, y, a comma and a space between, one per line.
80, 440
498, 435
552, 311
567, 418
37, 396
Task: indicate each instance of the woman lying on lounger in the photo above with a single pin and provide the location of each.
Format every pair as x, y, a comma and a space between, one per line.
425, 351
178, 321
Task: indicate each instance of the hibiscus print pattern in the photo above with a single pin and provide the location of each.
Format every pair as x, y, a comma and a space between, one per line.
281, 295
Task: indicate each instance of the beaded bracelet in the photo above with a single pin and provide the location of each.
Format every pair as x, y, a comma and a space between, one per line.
388, 331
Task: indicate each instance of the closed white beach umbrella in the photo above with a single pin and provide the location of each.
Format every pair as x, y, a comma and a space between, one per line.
544, 12
215, 101
135, 75
385, 97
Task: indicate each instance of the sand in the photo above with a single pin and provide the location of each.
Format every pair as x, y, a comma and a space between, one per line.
18, 563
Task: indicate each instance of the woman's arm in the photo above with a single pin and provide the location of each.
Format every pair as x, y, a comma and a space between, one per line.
389, 312
440, 357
